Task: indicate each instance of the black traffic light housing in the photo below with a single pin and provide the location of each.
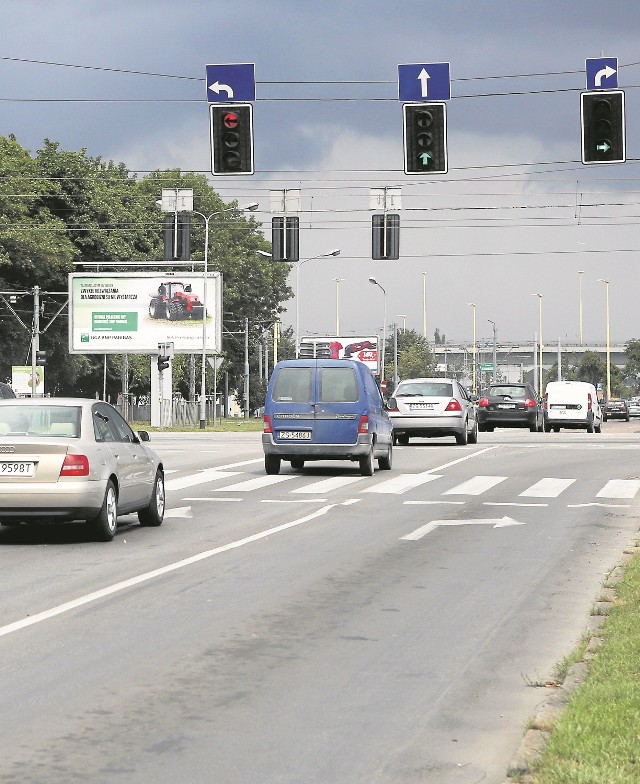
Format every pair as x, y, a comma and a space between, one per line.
177, 236
41, 358
285, 238
385, 236
425, 138
602, 121
231, 138
163, 363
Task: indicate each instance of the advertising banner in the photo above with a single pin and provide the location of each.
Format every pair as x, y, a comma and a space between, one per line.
22, 379
364, 349
132, 312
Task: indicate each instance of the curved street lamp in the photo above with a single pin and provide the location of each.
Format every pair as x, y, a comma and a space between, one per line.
374, 282
606, 287
541, 347
474, 362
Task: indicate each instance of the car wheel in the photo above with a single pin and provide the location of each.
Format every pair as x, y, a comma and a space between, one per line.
385, 463
462, 439
598, 428
297, 463
556, 429
403, 440
626, 419
590, 426
153, 515
272, 464
105, 523
473, 435
366, 464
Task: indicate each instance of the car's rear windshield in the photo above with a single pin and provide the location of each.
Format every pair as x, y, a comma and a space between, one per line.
38, 421
293, 385
426, 388
507, 391
337, 385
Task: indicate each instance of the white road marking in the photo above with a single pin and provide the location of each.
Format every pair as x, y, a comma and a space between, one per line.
547, 488
475, 486
594, 503
328, 485
502, 522
142, 578
211, 498
434, 502
619, 488
255, 484
209, 475
402, 483
178, 511
292, 500
508, 503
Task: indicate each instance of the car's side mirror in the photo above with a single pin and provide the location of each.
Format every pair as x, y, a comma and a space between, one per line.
143, 435
474, 398
392, 403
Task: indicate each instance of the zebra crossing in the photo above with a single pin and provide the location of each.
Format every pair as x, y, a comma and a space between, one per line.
231, 485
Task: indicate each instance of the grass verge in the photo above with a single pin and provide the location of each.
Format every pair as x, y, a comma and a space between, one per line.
597, 738
229, 425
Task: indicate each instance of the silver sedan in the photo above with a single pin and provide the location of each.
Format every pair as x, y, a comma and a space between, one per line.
432, 407
65, 459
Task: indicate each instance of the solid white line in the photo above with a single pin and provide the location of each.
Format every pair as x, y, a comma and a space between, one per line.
462, 459
434, 502
475, 486
594, 503
508, 503
142, 578
547, 488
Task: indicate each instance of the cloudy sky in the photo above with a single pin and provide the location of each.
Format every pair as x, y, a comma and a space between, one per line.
516, 215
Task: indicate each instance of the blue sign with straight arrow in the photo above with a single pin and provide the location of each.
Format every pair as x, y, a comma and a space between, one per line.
424, 82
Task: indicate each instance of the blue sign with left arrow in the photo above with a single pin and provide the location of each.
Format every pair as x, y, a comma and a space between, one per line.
429, 82
231, 83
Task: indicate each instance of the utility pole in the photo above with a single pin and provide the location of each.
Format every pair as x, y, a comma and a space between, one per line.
35, 337
246, 368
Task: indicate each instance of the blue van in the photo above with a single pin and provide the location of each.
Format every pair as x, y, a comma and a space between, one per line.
325, 409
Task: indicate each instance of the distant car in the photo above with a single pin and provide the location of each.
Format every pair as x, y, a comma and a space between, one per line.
634, 407
509, 405
6, 393
430, 408
66, 459
615, 408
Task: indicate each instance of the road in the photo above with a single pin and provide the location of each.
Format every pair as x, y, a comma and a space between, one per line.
315, 626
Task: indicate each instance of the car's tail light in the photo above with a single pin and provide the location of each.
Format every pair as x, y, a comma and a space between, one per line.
483, 402
528, 403
363, 427
75, 465
453, 405
266, 425
546, 401
590, 402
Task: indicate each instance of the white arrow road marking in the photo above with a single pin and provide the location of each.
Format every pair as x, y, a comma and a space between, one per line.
424, 77
502, 522
216, 87
178, 511
605, 73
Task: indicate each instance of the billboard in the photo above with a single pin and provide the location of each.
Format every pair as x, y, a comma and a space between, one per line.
365, 349
132, 312
22, 379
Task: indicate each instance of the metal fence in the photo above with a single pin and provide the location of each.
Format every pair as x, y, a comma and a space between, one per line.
173, 413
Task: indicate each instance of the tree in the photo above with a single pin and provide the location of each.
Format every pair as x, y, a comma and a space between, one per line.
414, 356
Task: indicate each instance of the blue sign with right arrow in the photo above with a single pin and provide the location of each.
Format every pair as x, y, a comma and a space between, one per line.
602, 73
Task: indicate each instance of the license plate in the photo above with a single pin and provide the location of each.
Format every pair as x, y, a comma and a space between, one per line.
16, 468
506, 405
414, 406
295, 435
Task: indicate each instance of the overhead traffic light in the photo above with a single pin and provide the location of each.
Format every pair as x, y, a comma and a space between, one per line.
385, 236
231, 138
285, 238
425, 138
177, 236
41, 358
163, 362
603, 126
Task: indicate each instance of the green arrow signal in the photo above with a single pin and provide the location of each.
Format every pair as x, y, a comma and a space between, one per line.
426, 158
603, 146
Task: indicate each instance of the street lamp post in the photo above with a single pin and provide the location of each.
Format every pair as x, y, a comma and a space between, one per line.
495, 351
580, 274
606, 288
334, 252
424, 305
540, 343
338, 282
374, 282
403, 316
474, 359
203, 388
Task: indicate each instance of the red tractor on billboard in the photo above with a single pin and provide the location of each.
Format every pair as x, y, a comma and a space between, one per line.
175, 301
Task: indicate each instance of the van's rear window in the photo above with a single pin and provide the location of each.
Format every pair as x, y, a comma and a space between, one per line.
293, 385
337, 385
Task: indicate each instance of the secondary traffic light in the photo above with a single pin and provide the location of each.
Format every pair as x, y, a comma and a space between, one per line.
163, 363
603, 126
41, 358
231, 138
285, 238
385, 236
177, 236
425, 138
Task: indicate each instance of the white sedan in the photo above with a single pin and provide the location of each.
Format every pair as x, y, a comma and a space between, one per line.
66, 459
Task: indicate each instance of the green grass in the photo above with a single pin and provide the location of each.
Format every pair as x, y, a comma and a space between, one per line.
230, 425
597, 739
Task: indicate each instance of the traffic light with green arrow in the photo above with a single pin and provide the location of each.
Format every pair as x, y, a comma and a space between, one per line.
425, 138
603, 126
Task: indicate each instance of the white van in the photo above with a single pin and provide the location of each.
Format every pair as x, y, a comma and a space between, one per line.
572, 404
